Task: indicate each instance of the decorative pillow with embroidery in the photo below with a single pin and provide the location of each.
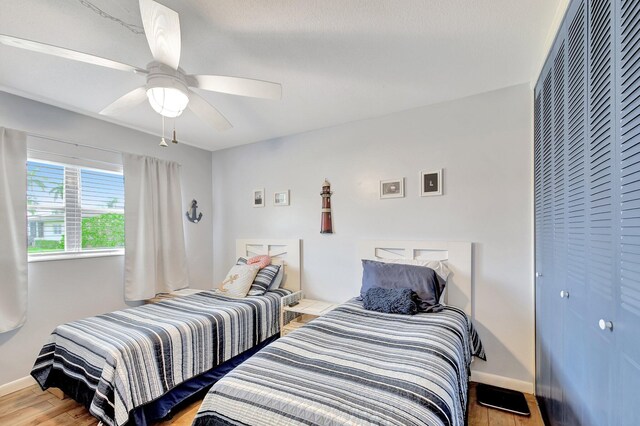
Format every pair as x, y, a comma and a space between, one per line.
238, 280
262, 261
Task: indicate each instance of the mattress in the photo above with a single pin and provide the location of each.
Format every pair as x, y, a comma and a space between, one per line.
356, 367
131, 357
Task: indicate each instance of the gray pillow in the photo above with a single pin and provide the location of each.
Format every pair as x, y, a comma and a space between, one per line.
424, 281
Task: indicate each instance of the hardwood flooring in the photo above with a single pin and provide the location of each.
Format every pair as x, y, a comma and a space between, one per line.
31, 406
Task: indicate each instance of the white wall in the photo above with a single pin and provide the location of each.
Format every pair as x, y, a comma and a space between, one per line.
484, 145
65, 290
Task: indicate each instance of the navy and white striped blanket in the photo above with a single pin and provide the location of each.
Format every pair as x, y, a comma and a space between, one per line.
354, 367
131, 357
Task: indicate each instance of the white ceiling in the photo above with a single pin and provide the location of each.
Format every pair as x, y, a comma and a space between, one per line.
337, 60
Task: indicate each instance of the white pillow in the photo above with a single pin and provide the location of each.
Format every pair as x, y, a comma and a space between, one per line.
438, 266
238, 280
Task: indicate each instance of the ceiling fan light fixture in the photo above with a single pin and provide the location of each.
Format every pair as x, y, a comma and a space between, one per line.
167, 90
167, 101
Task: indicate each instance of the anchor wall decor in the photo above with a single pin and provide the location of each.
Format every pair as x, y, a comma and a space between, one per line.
195, 217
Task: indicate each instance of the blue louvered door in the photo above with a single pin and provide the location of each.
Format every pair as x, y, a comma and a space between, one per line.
587, 208
601, 213
550, 129
542, 346
557, 284
544, 238
627, 324
574, 363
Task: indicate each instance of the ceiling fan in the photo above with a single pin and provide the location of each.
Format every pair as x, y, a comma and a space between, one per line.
167, 86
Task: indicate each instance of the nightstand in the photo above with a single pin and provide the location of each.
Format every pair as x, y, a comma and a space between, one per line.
308, 309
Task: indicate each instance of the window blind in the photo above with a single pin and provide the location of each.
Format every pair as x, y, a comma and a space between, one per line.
73, 209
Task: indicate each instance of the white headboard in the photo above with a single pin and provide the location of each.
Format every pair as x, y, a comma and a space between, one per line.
286, 252
456, 254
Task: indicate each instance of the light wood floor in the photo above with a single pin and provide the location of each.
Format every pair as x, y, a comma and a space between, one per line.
31, 406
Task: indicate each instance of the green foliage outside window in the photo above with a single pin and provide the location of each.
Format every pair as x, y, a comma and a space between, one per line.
47, 245
103, 231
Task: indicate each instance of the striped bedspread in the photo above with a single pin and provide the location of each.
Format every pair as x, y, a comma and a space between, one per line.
131, 357
353, 367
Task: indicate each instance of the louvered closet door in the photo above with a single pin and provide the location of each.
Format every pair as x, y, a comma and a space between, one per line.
543, 388
601, 215
558, 221
574, 368
627, 326
544, 240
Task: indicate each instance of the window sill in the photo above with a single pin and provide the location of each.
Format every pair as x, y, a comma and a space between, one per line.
71, 256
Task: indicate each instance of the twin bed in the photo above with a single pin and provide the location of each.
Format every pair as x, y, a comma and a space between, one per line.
351, 366
136, 365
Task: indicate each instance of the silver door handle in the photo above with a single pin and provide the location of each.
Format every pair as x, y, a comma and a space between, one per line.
538, 274
605, 325
564, 294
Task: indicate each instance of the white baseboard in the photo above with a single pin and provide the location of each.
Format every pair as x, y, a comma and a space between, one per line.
17, 385
501, 381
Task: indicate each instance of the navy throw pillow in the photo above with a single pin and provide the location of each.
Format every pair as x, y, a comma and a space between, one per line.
391, 300
424, 281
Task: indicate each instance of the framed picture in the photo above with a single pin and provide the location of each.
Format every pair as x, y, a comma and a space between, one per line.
281, 198
431, 183
393, 188
258, 197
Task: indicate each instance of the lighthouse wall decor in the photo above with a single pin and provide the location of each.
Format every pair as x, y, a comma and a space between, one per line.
431, 183
326, 226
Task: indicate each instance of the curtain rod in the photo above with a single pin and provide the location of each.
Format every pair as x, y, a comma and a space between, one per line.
72, 143
35, 135
39, 151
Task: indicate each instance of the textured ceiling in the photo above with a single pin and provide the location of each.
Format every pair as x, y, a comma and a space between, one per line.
337, 60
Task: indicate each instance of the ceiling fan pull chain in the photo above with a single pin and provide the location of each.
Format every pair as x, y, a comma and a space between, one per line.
174, 140
163, 143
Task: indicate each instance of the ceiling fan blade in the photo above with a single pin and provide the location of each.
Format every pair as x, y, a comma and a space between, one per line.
131, 99
48, 49
207, 113
162, 28
239, 86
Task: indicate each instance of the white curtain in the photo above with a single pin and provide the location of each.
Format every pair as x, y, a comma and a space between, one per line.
155, 254
13, 229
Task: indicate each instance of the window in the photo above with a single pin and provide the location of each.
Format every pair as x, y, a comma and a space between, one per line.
73, 209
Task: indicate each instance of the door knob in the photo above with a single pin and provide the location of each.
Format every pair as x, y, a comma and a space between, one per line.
564, 294
605, 325
538, 274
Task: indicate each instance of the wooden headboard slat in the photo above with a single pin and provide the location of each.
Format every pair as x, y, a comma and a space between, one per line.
286, 252
456, 254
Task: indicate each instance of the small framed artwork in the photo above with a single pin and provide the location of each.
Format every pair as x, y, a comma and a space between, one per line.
281, 198
393, 188
258, 197
431, 183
